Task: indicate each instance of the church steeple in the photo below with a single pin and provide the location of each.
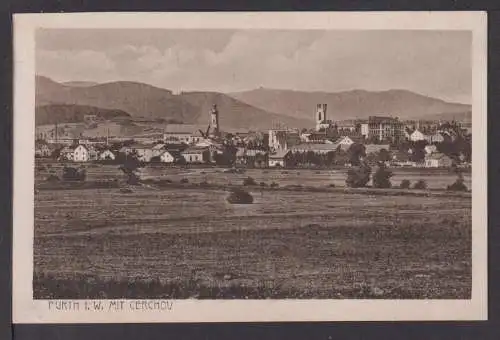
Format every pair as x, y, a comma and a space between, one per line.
214, 119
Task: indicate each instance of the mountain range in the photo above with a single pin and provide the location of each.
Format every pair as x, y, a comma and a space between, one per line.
354, 104
145, 101
256, 109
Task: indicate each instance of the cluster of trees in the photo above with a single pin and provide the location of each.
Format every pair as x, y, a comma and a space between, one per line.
297, 159
73, 174
359, 176
459, 149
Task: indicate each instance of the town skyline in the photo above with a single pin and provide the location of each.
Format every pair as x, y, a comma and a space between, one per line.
431, 63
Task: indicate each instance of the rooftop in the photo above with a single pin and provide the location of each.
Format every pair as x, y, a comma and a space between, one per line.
195, 149
313, 147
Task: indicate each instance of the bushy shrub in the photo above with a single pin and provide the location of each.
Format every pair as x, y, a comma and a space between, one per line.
358, 177
274, 185
331, 185
184, 180
240, 196
263, 184
249, 181
74, 174
458, 185
405, 184
52, 178
382, 177
421, 184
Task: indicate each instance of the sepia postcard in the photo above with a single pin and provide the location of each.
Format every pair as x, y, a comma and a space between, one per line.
232, 167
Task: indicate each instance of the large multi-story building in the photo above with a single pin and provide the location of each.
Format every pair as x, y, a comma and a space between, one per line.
382, 128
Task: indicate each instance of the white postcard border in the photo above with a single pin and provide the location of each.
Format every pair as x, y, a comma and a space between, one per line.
27, 310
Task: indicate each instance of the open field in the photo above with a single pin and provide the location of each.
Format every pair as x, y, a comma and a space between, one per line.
101, 243
435, 178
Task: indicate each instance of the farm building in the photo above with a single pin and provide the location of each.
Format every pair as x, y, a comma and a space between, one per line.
195, 154
437, 160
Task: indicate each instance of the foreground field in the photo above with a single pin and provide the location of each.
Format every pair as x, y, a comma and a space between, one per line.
191, 244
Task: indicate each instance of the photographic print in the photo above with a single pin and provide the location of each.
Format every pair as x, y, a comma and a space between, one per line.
251, 160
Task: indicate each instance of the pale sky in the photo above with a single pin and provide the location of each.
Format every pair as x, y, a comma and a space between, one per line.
434, 63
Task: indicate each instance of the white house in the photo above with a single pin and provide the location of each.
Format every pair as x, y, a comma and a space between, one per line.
81, 154
167, 157
418, 136
107, 155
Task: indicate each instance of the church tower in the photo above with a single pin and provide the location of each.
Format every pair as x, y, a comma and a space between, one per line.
214, 119
320, 116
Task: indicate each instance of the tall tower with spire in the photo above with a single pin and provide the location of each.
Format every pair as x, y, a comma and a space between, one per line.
214, 119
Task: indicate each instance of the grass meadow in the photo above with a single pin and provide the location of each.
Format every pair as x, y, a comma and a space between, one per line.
190, 243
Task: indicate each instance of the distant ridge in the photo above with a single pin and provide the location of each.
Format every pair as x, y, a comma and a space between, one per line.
351, 104
146, 101
71, 113
80, 83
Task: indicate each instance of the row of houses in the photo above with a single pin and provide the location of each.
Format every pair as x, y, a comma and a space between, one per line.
163, 153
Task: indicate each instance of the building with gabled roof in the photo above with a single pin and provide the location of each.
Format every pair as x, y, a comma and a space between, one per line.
319, 148
437, 160
196, 154
277, 159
